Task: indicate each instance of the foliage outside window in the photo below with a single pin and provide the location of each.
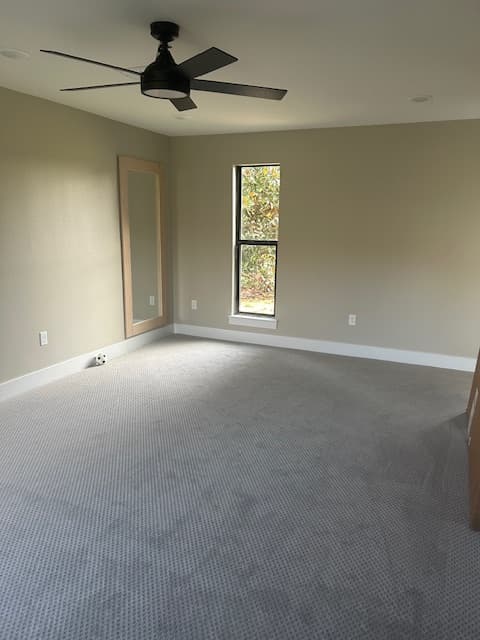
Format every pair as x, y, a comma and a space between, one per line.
257, 215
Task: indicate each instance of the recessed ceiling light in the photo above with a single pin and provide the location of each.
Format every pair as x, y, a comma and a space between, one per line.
14, 54
183, 117
425, 98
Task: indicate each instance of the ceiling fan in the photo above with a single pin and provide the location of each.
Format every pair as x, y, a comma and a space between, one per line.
166, 79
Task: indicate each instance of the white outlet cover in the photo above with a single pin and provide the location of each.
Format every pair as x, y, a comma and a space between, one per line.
43, 336
352, 319
152, 301
194, 305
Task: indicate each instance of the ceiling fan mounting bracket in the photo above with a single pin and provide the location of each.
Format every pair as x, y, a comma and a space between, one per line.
164, 31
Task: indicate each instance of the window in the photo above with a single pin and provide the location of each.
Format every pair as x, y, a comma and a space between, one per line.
256, 238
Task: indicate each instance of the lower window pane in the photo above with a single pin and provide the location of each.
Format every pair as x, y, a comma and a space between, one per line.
257, 279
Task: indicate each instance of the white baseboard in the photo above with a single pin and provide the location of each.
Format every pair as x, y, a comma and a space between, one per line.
438, 360
61, 369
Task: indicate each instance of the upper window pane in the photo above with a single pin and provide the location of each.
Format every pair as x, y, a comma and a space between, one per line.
260, 194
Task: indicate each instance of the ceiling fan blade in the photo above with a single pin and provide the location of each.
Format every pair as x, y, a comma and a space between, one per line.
183, 104
238, 89
207, 61
100, 64
101, 86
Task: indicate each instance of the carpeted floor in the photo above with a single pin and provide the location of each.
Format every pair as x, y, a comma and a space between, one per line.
200, 490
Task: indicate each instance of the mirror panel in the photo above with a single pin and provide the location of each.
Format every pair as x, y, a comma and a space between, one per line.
142, 194
143, 254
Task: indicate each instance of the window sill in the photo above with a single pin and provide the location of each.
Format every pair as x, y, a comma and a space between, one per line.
252, 321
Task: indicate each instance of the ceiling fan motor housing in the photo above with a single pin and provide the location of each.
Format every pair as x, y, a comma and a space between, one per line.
158, 81
163, 78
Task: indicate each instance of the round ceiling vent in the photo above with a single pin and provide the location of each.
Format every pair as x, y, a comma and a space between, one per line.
14, 54
420, 99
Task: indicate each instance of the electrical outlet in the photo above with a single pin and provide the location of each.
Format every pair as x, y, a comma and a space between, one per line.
152, 301
352, 319
43, 335
194, 305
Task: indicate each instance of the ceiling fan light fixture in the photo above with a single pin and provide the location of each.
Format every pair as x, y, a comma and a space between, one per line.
167, 83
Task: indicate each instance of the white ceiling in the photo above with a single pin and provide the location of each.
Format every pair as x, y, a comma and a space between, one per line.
344, 62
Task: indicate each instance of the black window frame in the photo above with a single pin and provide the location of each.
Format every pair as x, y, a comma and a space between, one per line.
239, 243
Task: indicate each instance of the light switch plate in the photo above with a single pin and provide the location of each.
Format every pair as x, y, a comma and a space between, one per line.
43, 335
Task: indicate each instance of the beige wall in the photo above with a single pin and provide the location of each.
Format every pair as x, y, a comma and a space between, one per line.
379, 221
60, 265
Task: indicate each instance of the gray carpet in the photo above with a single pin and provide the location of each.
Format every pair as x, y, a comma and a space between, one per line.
203, 490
